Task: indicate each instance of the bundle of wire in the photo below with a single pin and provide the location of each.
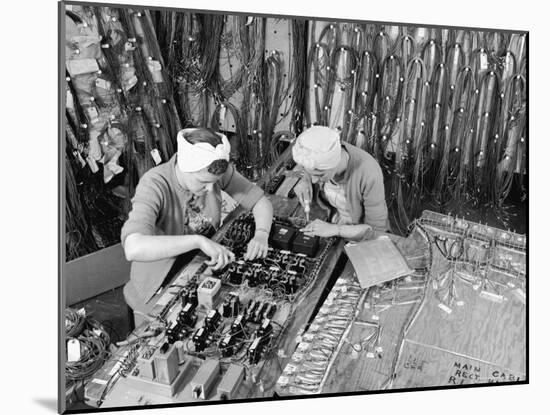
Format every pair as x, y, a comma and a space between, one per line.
94, 343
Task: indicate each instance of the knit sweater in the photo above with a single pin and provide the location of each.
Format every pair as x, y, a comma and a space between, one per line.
364, 184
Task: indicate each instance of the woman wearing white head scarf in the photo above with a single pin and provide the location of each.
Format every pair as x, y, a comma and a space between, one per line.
177, 207
348, 179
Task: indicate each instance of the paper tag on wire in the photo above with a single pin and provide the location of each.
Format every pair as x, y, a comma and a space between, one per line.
156, 156
102, 83
445, 308
484, 64
73, 350
93, 165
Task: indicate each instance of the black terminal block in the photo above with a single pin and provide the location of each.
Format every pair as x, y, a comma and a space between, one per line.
275, 182
254, 352
212, 320
200, 339
227, 345
282, 236
238, 326
265, 330
231, 306
304, 244
187, 316
270, 310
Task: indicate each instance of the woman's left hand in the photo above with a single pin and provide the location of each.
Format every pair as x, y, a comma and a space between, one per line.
257, 247
320, 228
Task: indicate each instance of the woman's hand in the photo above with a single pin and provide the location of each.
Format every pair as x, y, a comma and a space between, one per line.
219, 255
304, 191
257, 247
320, 228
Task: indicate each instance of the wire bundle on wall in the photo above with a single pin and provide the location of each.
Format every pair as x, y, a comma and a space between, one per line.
432, 105
93, 345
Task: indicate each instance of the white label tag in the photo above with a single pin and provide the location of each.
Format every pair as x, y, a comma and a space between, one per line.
483, 61
156, 156
375, 317
283, 381
81, 312
99, 381
290, 369
222, 114
370, 355
445, 308
102, 83
79, 158
491, 296
460, 303
297, 357
93, 165
81, 66
73, 350
304, 346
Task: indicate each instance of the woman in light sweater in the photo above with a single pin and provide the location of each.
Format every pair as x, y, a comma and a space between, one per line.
344, 177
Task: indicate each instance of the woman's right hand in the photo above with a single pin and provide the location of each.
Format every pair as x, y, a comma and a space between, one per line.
219, 255
304, 191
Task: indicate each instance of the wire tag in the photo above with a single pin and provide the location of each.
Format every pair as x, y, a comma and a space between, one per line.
283, 381
73, 350
79, 158
483, 61
491, 296
370, 355
93, 165
445, 308
102, 83
156, 156
375, 317
81, 312
460, 303
290, 369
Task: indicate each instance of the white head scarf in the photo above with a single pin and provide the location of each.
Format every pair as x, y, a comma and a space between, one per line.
317, 148
195, 157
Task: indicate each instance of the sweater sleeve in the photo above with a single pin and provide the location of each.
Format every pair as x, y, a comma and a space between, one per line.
374, 201
146, 206
239, 188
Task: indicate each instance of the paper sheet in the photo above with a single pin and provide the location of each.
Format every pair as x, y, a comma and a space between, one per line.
376, 261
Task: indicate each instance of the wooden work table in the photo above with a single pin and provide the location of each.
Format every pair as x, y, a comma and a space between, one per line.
476, 339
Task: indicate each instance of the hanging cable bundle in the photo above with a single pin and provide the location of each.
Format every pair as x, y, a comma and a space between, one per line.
381, 46
342, 75
299, 80
431, 56
318, 62
486, 116
436, 113
365, 93
513, 122
469, 40
461, 110
389, 97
